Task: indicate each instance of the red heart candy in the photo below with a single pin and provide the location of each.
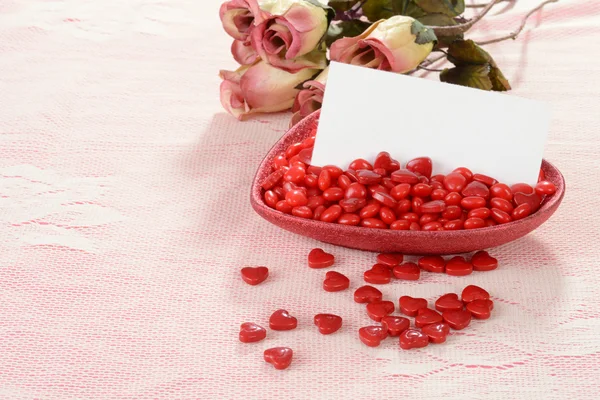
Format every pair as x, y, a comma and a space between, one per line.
281, 320
534, 200
279, 357
432, 263
421, 165
254, 276
372, 335
413, 339
458, 266
395, 325
449, 302
407, 271
482, 261
334, 282
472, 293
379, 309
317, 258
427, 316
251, 332
378, 274
437, 332
328, 323
411, 305
480, 309
476, 189
390, 259
458, 319
367, 294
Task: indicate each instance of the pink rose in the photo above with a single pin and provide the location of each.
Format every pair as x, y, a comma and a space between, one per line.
310, 98
239, 17
243, 53
387, 45
260, 88
290, 34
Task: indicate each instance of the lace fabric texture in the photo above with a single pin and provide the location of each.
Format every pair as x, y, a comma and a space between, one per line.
125, 219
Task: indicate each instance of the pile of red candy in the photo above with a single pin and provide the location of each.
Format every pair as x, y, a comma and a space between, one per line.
430, 325
384, 195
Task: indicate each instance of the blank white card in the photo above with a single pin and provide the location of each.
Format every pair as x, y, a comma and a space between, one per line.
366, 111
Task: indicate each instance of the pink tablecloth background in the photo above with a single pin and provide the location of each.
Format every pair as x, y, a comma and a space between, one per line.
124, 221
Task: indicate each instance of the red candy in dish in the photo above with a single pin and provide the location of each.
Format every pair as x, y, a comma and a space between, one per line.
279, 357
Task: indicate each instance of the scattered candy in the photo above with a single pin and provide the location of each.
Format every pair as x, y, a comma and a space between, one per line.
482, 261
367, 294
390, 259
379, 309
458, 266
334, 282
395, 325
432, 263
427, 316
254, 275
436, 332
251, 332
407, 271
279, 357
317, 258
378, 274
457, 319
372, 335
480, 309
410, 306
472, 293
328, 323
385, 196
413, 339
449, 302
281, 320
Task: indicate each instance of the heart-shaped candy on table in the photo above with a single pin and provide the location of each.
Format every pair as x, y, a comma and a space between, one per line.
379, 309
367, 294
251, 332
281, 320
390, 259
482, 261
458, 319
458, 266
472, 293
317, 258
334, 282
395, 325
411, 305
480, 309
437, 332
427, 316
378, 274
372, 335
432, 263
449, 302
328, 323
408, 271
254, 275
413, 339
279, 357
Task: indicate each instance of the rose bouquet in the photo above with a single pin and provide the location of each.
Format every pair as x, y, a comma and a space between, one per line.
284, 47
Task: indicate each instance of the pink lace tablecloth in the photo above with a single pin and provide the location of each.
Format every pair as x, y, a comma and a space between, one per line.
125, 218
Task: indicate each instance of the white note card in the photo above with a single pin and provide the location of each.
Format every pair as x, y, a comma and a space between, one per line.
366, 111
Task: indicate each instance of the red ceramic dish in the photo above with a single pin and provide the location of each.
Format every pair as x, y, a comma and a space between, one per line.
385, 240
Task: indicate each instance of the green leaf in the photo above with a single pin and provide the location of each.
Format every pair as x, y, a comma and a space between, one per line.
475, 76
499, 82
342, 5
465, 52
375, 10
441, 20
451, 8
411, 10
345, 29
424, 34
